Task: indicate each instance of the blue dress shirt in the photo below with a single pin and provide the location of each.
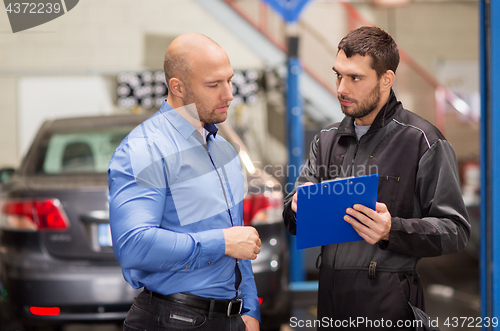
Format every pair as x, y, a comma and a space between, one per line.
171, 192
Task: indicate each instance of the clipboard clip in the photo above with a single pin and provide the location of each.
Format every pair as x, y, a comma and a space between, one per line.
335, 179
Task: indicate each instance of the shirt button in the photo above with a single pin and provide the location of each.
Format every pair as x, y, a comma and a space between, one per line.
209, 262
187, 267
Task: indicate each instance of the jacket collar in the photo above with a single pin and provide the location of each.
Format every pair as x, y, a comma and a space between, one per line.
385, 115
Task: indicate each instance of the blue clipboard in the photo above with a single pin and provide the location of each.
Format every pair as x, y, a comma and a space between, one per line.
321, 208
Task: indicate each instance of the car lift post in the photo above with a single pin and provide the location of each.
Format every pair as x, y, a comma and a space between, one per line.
295, 139
290, 11
489, 21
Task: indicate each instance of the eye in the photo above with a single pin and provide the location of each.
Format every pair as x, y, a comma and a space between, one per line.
339, 76
356, 79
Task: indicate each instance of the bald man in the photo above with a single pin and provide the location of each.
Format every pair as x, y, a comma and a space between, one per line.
175, 197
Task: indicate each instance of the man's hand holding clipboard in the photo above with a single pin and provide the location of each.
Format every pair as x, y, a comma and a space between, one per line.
340, 211
376, 223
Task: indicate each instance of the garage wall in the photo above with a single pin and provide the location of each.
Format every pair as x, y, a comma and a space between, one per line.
64, 96
98, 38
8, 122
110, 34
437, 35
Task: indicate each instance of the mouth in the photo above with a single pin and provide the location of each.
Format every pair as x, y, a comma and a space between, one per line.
222, 108
345, 102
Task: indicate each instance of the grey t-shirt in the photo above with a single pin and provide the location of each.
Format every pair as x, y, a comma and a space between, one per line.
360, 130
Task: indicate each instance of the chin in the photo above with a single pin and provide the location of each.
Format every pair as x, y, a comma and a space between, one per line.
348, 112
218, 119
222, 117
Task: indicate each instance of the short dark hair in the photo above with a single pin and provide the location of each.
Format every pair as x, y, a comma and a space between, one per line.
375, 42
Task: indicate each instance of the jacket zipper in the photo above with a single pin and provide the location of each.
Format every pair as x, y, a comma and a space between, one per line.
352, 174
354, 157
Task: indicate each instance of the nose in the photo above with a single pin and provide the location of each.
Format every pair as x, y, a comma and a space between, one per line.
227, 93
341, 87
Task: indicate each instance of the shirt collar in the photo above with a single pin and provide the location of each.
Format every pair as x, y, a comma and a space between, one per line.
212, 129
182, 125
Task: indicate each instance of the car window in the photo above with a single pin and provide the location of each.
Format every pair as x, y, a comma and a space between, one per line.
80, 152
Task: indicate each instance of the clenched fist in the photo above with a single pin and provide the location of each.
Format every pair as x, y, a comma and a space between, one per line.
242, 242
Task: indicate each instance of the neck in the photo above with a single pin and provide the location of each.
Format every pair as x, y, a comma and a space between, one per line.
189, 112
368, 119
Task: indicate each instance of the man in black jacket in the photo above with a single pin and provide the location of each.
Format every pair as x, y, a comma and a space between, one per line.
420, 212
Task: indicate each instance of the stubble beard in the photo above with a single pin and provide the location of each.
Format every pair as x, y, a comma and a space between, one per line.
205, 114
365, 108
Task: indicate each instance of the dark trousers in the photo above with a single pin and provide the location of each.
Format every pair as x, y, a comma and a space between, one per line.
149, 313
351, 300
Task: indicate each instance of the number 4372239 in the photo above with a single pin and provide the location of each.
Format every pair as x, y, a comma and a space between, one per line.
470, 322
33, 8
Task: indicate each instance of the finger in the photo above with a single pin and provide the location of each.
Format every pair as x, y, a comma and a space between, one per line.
356, 224
381, 207
365, 210
361, 217
366, 233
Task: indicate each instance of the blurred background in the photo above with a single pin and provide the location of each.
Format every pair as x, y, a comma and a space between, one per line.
105, 57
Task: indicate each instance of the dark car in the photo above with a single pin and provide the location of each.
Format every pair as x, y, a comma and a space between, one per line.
56, 260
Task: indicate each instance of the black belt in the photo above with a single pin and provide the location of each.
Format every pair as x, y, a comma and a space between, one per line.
230, 307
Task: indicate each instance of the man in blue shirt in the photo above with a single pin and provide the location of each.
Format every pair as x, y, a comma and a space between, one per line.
175, 197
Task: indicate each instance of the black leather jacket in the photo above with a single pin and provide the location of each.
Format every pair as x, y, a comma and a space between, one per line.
418, 181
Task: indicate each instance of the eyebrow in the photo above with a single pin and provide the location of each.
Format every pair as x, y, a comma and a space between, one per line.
349, 74
218, 81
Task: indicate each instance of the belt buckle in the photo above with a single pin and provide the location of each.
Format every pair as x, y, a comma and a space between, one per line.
234, 307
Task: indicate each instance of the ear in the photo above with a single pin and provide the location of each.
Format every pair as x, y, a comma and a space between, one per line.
176, 87
387, 80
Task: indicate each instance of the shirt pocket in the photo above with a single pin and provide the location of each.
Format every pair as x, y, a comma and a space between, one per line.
388, 191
